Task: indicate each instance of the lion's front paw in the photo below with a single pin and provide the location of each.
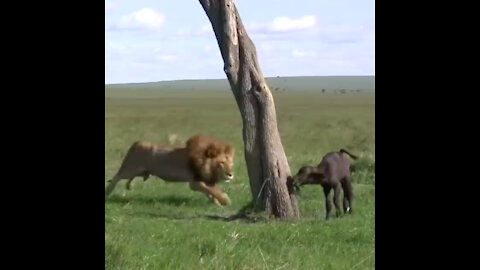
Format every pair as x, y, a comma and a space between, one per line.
225, 200
214, 200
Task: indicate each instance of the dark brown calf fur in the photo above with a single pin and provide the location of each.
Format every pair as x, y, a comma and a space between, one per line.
333, 172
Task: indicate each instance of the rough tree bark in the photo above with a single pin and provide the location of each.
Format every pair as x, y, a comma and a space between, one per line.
264, 154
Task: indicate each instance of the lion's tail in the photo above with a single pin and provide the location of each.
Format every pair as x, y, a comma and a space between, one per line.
346, 152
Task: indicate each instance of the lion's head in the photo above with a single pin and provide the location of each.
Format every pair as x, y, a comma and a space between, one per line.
221, 161
211, 159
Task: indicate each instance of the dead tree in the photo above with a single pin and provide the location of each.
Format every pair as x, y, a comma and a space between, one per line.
264, 154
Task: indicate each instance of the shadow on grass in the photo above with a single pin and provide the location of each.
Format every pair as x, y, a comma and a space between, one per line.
173, 200
113, 257
246, 214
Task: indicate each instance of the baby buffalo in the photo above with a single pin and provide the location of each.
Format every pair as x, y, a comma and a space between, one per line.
333, 172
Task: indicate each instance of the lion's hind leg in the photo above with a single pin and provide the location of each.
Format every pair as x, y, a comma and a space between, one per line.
123, 175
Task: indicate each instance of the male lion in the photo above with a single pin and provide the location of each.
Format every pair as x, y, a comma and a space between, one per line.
202, 163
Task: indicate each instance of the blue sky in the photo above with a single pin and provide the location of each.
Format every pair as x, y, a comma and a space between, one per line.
158, 40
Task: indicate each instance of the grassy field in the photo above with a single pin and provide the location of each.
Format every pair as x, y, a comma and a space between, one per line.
160, 225
307, 83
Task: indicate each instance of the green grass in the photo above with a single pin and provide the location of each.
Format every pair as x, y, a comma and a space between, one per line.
159, 225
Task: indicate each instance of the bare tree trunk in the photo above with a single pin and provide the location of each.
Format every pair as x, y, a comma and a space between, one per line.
266, 161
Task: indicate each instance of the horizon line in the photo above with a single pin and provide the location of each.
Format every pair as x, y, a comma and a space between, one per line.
176, 80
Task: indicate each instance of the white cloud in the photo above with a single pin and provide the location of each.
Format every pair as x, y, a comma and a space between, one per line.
169, 58
338, 34
287, 24
109, 6
116, 48
292, 45
279, 26
183, 32
284, 24
203, 31
212, 51
208, 48
266, 46
206, 28
145, 18
302, 53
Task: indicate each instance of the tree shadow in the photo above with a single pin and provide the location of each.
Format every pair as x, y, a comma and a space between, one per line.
168, 215
247, 213
113, 257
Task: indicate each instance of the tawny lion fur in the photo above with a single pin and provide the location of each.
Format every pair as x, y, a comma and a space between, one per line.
202, 163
